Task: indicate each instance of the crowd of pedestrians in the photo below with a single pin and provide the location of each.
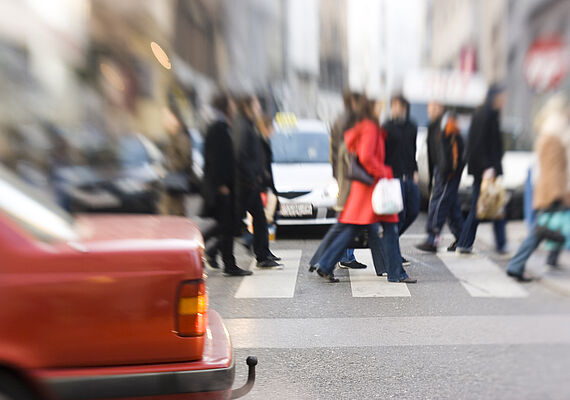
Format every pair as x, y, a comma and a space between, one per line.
235, 174
238, 171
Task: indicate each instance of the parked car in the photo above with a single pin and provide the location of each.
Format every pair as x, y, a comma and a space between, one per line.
306, 188
126, 180
105, 307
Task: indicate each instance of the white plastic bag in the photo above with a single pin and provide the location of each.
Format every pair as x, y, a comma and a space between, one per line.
387, 197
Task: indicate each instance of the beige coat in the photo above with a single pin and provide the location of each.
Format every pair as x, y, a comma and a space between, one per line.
553, 151
551, 183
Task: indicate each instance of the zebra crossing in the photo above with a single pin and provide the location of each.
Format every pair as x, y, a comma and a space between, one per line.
479, 276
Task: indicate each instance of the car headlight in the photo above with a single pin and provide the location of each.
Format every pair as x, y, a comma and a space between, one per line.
332, 190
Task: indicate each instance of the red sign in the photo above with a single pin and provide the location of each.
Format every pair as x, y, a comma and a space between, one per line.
546, 63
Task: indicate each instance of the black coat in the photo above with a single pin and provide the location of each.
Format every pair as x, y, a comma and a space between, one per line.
401, 147
248, 153
485, 143
219, 164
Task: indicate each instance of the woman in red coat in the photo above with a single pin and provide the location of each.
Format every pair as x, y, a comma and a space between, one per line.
366, 140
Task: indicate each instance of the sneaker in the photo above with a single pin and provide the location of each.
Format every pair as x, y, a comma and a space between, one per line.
426, 246
236, 271
452, 247
352, 265
330, 278
408, 280
269, 264
405, 262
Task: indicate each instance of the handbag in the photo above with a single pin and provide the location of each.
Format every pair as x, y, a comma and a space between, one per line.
387, 197
493, 199
550, 224
356, 171
176, 183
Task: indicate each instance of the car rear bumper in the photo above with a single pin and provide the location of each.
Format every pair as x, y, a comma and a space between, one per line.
212, 375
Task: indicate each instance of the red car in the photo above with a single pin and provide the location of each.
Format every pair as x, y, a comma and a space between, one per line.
105, 307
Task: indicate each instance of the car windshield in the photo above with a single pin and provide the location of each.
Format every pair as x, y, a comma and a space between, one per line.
131, 152
300, 147
35, 214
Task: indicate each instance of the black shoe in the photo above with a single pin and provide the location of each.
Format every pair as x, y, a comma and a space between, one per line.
312, 268
329, 277
452, 247
236, 271
273, 257
520, 278
269, 264
405, 262
212, 262
408, 280
426, 246
353, 265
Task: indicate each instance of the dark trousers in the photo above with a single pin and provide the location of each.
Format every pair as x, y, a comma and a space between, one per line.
220, 238
444, 206
469, 232
411, 198
253, 205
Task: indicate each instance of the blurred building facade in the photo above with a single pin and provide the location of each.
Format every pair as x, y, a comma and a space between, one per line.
529, 21
470, 35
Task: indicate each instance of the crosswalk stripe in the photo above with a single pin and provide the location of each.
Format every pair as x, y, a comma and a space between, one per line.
272, 283
365, 283
481, 277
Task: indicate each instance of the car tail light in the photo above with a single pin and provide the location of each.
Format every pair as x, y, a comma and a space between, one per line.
192, 309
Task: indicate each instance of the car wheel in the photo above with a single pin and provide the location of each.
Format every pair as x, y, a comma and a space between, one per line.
11, 388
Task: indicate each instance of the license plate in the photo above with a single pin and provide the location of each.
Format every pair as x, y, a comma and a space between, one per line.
296, 210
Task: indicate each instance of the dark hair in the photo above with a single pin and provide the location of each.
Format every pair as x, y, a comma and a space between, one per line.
346, 98
222, 102
400, 99
244, 103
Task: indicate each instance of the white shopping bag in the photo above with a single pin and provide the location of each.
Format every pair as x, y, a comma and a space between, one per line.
387, 197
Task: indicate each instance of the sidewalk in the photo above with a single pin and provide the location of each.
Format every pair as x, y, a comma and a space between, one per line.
555, 279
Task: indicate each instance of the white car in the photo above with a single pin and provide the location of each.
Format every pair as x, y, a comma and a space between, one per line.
306, 189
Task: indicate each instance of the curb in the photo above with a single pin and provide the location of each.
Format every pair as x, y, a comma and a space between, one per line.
556, 285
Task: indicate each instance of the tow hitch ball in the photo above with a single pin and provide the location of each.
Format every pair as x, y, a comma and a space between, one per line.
242, 391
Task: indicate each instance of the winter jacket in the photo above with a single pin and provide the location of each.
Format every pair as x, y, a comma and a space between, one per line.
367, 140
219, 164
451, 148
485, 142
248, 153
401, 147
551, 184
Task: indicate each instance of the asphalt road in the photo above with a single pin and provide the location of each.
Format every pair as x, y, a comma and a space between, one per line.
465, 331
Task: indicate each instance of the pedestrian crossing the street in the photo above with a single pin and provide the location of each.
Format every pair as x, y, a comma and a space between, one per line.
479, 276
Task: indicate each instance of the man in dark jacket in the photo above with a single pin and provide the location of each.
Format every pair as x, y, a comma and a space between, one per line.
484, 156
401, 156
446, 159
250, 163
218, 187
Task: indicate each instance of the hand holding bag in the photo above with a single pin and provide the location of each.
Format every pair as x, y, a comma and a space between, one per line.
387, 197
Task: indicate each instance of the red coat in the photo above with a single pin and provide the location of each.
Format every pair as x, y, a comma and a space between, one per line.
366, 139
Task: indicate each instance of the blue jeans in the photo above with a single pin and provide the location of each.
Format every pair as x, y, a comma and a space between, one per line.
469, 232
518, 263
411, 198
385, 252
348, 256
444, 206
326, 242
